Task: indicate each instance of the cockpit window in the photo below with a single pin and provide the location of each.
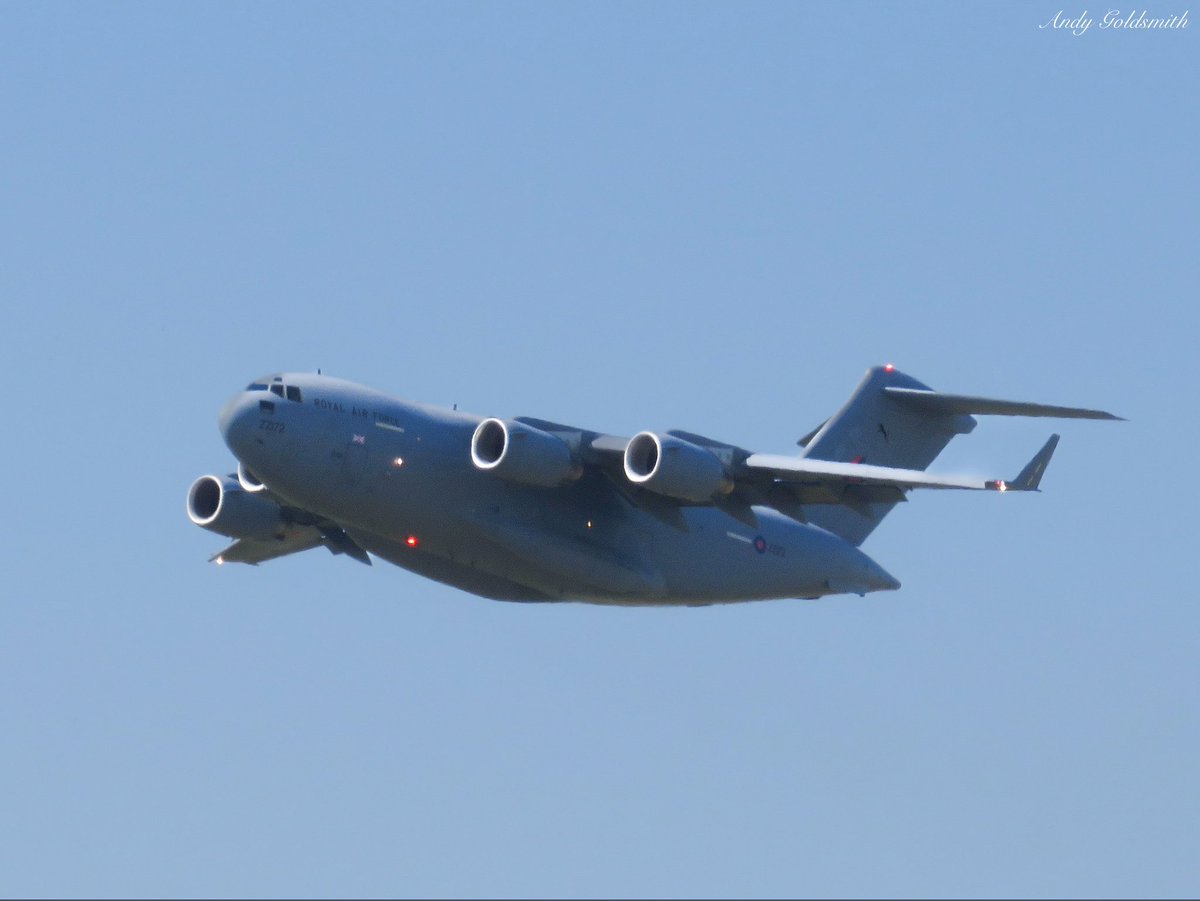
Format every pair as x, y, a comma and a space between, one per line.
275, 386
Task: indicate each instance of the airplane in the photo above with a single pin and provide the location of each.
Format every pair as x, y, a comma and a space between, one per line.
528, 510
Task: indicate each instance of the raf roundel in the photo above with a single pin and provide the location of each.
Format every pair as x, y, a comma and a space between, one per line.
760, 544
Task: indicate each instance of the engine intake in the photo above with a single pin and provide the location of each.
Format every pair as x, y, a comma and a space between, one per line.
221, 505
248, 480
522, 453
668, 465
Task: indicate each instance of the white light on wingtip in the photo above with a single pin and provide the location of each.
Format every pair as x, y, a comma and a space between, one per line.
398, 462
220, 561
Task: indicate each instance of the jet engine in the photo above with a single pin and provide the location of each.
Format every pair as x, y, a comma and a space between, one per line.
248, 480
522, 453
221, 505
668, 465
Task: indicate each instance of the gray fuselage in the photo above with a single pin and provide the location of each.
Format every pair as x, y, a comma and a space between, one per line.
398, 477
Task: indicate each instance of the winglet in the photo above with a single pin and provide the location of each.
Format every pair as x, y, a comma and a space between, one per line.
1031, 475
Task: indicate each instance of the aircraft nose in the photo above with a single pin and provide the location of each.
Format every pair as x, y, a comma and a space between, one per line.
236, 419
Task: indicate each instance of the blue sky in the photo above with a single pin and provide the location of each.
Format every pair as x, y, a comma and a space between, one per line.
711, 217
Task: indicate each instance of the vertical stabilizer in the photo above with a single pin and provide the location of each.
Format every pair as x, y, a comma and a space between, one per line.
876, 428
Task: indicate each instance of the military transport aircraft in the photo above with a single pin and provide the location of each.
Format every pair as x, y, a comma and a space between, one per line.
528, 510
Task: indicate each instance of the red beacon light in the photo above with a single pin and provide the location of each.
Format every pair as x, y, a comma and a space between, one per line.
890, 367
411, 541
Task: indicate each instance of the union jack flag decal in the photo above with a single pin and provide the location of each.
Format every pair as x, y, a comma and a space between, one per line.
360, 439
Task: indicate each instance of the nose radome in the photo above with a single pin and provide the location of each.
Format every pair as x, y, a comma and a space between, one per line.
236, 419
225, 417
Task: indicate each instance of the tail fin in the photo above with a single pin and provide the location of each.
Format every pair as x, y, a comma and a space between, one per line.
894, 420
876, 428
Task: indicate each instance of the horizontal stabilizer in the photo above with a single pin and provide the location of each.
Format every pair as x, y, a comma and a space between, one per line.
936, 402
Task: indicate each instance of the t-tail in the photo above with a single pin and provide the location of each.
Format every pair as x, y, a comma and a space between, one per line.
894, 420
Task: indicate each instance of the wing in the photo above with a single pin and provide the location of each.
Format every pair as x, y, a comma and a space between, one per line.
608, 449
258, 550
293, 540
294, 530
664, 472
786, 484
800, 470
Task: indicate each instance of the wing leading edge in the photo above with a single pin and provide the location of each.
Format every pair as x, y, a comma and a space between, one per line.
293, 540
789, 484
802, 469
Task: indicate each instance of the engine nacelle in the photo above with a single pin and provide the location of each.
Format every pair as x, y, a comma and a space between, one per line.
668, 465
221, 505
248, 480
522, 453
